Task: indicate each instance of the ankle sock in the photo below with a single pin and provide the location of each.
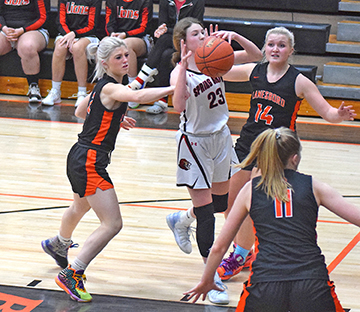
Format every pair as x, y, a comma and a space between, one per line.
82, 89
239, 251
56, 85
65, 241
78, 265
186, 218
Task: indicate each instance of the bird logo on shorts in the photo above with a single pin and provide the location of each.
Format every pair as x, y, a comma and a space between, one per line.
184, 164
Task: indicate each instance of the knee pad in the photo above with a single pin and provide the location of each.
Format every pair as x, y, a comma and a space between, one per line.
220, 202
205, 228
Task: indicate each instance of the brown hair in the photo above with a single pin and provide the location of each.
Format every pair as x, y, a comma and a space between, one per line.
180, 33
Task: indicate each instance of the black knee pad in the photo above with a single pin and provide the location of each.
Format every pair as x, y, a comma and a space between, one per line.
220, 202
205, 228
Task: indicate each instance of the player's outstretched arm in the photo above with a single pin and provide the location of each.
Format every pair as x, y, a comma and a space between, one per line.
305, 88
332, 200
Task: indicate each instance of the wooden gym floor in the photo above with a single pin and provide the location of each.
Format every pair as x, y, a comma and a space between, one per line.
141, 269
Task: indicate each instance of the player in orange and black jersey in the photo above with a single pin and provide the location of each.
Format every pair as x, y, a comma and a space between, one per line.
130, 17
88, 159
278, 89
289, 273
77, 22
78, 16
129, 20
272, 104
21, 23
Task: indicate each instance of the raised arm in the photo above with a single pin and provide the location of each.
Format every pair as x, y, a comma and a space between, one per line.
305, 88
251, 52
178, 79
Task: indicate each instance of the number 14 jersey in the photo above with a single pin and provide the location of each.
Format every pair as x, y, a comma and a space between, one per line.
272, 104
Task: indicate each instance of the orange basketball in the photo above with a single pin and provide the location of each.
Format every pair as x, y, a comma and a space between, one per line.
215, 57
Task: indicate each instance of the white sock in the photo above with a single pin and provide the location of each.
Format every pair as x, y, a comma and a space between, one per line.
56, 85
65, 241
78, 265
186, 217
82, 89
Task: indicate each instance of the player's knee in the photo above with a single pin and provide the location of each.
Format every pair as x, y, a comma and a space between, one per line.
220, 202
205, 228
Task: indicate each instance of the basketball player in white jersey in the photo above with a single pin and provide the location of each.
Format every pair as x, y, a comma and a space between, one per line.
205, 146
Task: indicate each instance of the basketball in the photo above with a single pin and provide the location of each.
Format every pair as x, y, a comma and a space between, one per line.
215, 57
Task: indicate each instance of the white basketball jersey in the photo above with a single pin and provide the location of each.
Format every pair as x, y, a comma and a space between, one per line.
206, 109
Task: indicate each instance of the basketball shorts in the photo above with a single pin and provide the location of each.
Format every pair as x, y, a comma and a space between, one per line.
42, 31
294, 296
86, 170
202, 160
242, 149
92, 39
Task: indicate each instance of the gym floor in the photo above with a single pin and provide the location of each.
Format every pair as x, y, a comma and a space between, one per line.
33, 297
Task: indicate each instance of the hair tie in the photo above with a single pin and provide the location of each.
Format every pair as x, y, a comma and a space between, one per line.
277, 134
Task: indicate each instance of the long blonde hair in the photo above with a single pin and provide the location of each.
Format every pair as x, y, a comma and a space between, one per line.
272, 150
101, 52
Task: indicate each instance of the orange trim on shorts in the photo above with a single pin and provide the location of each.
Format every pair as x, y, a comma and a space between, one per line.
104, 128
94, 180
338, 307
242, 302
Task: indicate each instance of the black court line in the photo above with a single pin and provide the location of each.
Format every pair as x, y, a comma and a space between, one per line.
123, 203
14, 298
120, 203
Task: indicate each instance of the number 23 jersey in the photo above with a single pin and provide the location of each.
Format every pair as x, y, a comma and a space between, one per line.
206, 109
272, 104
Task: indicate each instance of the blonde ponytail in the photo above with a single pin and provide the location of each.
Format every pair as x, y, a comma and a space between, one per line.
272, 150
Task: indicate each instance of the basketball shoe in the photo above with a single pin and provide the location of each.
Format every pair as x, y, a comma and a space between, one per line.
57, 250
233, 265
34, 93
217, 296
73, 283
180, 226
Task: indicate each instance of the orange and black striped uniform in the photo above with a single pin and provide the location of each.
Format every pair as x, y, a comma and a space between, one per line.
289, 272
28, 14
89, 157
272, 105
79, 16
129, 16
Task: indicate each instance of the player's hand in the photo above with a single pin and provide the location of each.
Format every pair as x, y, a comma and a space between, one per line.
226, 35
346, 112
128, 123
211, 30
201, 290
185, 54
67, 39
121, 35
162, 29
